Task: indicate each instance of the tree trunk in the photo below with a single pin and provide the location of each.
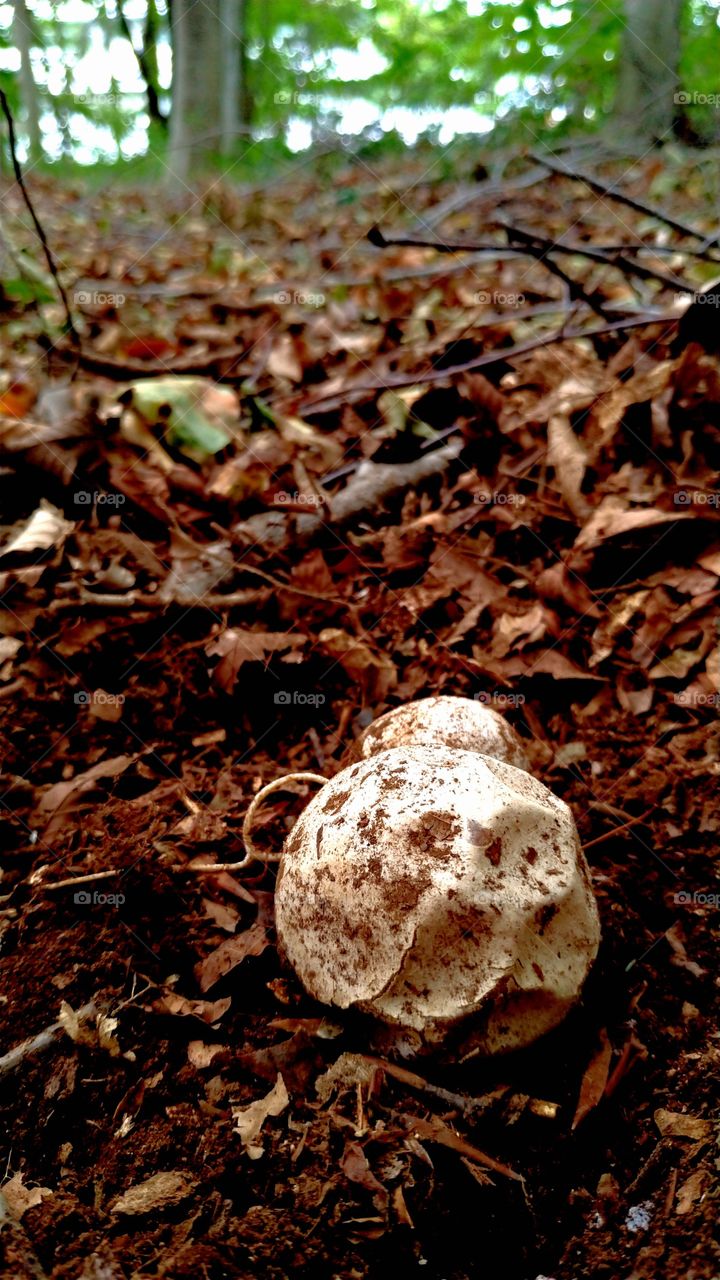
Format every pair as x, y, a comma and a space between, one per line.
246, 98
645, 105
22, 30
146, 58
230, 17
196, 119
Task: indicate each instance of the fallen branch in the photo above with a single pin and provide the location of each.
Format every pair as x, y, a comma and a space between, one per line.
327, 404
214, 601
377, 237
263, 294
615, 258
535, 245
614, 193
479, 191
42, 1040
370, 487
540, 248
120, 369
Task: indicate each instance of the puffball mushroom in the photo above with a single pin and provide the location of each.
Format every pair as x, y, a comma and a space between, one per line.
460, 723
427, 885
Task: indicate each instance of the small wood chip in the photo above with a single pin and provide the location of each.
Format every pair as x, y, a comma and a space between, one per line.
157, 1192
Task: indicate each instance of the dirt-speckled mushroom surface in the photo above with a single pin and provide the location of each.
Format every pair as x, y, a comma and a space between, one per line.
425, 885
461, 723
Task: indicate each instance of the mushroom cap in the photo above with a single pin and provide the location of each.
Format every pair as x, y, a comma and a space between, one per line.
426, 885
461, 723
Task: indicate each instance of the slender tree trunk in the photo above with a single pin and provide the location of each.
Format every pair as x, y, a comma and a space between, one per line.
645, 105
246, 98
196, 126
230, 17
146, 58
151, 32
23, 33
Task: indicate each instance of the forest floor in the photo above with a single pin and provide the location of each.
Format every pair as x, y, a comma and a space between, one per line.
208, 585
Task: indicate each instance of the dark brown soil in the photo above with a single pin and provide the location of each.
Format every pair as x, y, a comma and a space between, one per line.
380, 1174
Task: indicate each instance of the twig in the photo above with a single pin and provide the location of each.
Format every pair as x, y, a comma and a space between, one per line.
122, 370
614, 193
73, 880
539, 248
608, 835
475, 250
659, 1151
42, 1040
214, 601
370, 487
468, 1106
263, 294
378, 238
435, 1130
75, 337
478, 192
326, 404
607, 257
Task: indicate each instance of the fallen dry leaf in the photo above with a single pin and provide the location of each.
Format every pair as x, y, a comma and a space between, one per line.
225, 917
680, 955
236, 646
62, 794
156, 1192
567, 457
19, 1198
231, 953
209, 1011
200, 1055
594, 1080
612, 519
674, 1125
691, 1191
97, 1032
249, 1120
375, 673
354, 1165
46, 528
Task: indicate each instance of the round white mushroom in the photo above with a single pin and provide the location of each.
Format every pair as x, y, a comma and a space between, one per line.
426, 885
460, 723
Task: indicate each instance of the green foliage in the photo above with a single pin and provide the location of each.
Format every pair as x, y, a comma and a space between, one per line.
25, 291
176, 404
538, 71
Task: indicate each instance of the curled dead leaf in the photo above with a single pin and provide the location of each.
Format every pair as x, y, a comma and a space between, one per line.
594, 1080
249, 1120
209, 1011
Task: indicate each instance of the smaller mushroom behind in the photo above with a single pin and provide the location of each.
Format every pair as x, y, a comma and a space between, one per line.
429, 886
461, 723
